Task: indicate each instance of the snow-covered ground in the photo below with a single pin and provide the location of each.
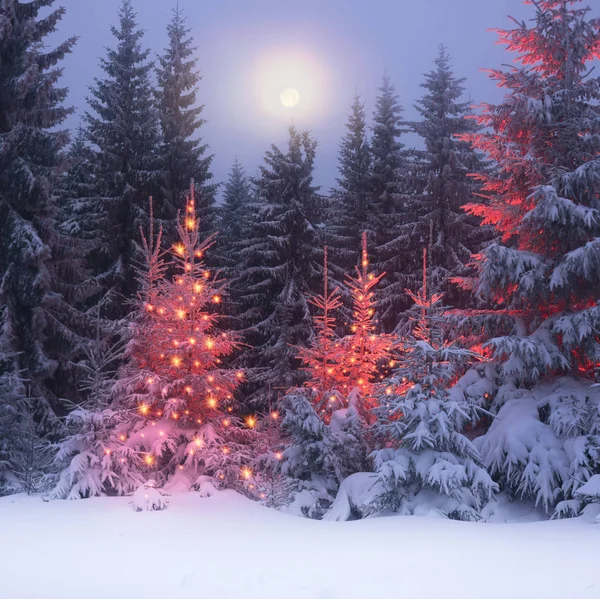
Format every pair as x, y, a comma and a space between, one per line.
226, 547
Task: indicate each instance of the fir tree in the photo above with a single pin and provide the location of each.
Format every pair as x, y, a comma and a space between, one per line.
234, 227
427, 459
234, 216
352, 198
40, 330
446, 169
388, 215
542, 284
123, 128
183, 154
280, 266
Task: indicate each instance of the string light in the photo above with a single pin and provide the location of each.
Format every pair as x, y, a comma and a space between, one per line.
144, 409
251, 422
246, 473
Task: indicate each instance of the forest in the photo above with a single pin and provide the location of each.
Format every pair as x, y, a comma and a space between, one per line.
422, 336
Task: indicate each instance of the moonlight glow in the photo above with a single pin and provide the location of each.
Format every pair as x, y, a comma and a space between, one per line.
290, 97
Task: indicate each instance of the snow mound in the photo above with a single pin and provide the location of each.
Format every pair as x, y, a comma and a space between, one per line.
148, 498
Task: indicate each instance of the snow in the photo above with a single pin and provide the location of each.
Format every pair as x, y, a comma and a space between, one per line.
227, 547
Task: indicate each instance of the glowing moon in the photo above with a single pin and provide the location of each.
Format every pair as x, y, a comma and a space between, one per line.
290, 97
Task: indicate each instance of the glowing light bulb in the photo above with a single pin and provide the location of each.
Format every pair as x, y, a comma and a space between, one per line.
278, 455
246, 473
179, 248
188, 390
149, 307
251, 422
198, 442
181, 314
161, 433
190, 223
148, 459
107, 451
226, 422
225, 450
216, 299
274, 415
122, 437
176, 361
212, 402
175, 415
197, 288
210, 343
144, 409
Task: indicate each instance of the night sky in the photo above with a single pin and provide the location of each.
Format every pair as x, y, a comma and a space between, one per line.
249, 51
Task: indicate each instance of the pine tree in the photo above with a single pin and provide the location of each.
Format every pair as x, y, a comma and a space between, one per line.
351, 200
183, 154
280, 266
542, 284
427, 460
122, 126
446, 168
388, 214
40, 333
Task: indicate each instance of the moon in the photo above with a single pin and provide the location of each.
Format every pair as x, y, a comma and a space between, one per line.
290, 97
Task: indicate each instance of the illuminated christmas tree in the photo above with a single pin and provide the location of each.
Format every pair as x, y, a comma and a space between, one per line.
179, 395
324, 358
366, 351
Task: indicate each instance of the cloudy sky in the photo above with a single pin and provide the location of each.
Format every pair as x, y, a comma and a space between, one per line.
251, 50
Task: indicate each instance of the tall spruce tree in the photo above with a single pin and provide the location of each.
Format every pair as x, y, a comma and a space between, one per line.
234, 215
280, 267
351, 199
543, 283
183, 154
123, 128
445, 171
388, 214
38, 329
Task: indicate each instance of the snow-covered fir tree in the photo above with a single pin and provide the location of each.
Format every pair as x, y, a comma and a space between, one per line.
183, 155
24, 453
445, 171
352, 197
281, 264
312, 457
40, 330
542, 284
427, 463
84, 456
123, 128
387, 214
234, 213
